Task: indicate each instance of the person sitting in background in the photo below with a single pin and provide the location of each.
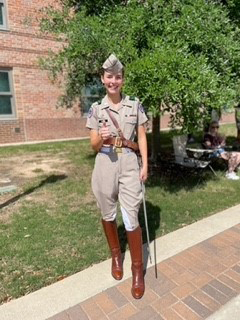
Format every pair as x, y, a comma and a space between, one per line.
213, 140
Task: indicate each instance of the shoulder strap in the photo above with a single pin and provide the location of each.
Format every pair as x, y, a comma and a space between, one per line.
114, 120
126, 143
115, 123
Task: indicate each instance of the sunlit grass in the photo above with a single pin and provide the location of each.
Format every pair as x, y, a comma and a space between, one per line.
53, 230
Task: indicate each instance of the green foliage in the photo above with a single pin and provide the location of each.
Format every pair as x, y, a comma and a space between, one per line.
172, 80
234, 9
180, 56
92, 7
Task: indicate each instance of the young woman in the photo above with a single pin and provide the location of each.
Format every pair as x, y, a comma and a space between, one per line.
213, 140
114, 123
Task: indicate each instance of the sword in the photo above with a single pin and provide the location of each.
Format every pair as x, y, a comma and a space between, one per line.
146, 222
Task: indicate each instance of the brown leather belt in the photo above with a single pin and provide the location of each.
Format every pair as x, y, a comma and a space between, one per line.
119, 143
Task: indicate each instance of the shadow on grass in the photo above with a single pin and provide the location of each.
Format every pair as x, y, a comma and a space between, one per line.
51, 179
173, 177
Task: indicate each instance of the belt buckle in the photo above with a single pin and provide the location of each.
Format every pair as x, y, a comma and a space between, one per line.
118, 142
118, 150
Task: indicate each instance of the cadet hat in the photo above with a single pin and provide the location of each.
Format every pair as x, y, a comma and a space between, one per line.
112, 64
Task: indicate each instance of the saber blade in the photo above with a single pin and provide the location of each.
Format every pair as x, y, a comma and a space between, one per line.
146, 221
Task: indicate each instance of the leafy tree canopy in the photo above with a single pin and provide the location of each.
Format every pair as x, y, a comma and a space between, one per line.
92, 7
234, 9
181, 56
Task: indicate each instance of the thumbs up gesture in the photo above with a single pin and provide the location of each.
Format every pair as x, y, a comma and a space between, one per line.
105, 132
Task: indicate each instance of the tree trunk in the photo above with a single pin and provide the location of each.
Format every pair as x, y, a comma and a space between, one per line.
238, 135
155, 138
237, 116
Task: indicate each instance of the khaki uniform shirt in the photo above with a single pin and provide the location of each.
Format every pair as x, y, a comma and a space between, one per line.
129, 116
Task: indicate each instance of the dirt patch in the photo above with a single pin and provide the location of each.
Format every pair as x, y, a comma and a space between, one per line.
21, 168
24, 169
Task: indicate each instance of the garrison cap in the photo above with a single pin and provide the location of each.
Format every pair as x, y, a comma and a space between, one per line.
112, 64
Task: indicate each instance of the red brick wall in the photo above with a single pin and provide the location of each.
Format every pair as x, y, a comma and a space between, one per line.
226, 118
12, 131
21, 46
47, 128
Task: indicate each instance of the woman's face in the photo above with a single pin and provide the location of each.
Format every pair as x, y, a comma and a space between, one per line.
214, 129
113, 82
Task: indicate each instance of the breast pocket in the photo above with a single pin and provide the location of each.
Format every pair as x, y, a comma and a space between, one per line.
130, 124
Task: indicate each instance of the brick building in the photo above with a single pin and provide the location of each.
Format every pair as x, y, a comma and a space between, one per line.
27, 98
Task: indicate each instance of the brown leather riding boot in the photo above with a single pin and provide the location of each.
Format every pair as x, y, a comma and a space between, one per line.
135, 245
110, 229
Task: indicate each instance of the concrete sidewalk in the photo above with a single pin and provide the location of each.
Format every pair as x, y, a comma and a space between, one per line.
198, 277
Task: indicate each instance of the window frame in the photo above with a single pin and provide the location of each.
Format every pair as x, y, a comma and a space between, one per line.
4, 25
9, 94
96, 97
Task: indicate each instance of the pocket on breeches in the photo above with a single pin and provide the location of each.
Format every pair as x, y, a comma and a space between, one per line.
104, 179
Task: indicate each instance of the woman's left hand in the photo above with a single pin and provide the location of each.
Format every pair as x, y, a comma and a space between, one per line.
143, 174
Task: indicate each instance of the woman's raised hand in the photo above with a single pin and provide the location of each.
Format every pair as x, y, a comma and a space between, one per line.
105, 132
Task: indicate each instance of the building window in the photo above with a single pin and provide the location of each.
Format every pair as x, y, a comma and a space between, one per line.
92, 92
3, 15
6, 95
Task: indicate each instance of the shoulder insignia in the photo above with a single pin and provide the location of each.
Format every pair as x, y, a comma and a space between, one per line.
90, 112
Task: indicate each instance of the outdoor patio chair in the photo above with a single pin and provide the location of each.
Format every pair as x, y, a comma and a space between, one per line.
182, 158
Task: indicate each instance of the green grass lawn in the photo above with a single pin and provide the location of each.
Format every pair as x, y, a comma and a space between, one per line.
50, 226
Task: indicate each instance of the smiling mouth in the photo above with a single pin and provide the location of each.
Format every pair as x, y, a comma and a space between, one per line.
114, 88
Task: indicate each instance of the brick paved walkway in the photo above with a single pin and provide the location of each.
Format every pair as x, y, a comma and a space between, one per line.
191, 285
